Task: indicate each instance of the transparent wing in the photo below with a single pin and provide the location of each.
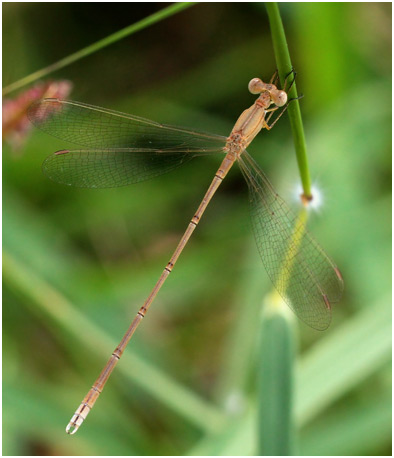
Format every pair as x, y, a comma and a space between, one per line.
111, 168
299, 268
95, 127
123, 149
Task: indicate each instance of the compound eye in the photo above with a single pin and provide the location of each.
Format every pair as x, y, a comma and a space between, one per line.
279, 98
256, 86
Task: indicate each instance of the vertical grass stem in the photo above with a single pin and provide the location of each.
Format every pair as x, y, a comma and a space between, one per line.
284, 67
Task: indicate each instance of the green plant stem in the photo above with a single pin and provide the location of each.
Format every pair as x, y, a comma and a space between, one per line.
276, 380
321, 376
276, 434
146, 22
284, 67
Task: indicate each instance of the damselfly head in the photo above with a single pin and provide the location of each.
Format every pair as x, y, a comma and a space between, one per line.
278, 97
256, 86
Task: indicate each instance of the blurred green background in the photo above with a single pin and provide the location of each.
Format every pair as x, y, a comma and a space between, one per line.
77, 264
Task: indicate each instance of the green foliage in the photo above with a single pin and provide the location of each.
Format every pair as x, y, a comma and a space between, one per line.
79, 263
285, 68
275, 387
107, 41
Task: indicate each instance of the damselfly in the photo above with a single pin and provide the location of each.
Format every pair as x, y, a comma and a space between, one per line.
122, 149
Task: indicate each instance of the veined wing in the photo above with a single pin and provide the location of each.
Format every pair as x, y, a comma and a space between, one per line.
110, 168
123, 149
301, 271
95, 127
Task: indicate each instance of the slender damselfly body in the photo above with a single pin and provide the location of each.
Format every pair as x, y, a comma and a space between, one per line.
121, 149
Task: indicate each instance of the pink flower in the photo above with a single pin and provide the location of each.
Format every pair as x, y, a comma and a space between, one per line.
16, 125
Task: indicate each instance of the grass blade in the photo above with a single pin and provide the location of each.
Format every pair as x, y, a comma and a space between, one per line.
276, 380
284, 67
146, 22
50, 302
